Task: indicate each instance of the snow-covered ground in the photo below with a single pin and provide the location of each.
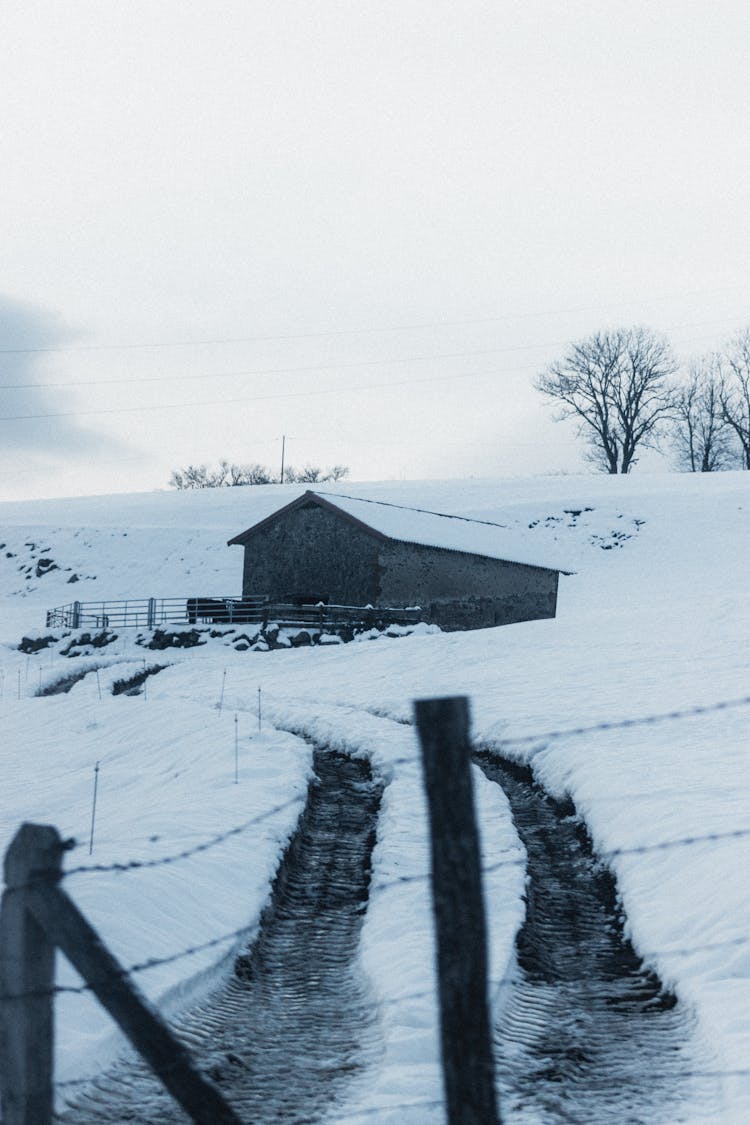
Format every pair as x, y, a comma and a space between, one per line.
655, 618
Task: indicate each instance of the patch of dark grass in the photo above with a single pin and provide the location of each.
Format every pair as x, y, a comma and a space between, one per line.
132, 685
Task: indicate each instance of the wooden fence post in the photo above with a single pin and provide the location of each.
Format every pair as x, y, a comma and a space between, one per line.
468, 1070
27, 971
37, 917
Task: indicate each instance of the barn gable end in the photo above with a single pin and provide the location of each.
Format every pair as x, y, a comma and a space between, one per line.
307, 550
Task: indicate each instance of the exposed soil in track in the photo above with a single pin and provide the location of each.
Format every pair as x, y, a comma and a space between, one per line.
295, 1024
586, 1033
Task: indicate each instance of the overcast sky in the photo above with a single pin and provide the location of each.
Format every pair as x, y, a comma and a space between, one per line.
365, 226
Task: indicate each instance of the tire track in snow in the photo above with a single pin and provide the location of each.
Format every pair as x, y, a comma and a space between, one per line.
586, 1033
295, 1024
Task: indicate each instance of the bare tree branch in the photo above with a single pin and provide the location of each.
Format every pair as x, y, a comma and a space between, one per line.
735, 392
616, 385
235, 475
702, 436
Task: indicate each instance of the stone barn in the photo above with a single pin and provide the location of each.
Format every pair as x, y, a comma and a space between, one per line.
343, 550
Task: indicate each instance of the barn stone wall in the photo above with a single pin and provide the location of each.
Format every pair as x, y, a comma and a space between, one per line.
463, 591
312, 551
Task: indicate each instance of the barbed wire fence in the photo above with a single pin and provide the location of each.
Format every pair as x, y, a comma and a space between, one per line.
225, 939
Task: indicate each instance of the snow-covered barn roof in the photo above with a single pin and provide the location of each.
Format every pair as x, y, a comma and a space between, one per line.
425, 528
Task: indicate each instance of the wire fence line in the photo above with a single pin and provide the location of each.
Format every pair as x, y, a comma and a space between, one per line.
244, 931
187, 853
617, 724
628, 723
555, 735
119, 868
137, 967
237, 934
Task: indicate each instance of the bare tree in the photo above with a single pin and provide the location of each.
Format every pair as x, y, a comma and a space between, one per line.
702, 435
616, 384
735, 393
250, 474
337, 472
310, 474
313, 474
194, 476
234, 475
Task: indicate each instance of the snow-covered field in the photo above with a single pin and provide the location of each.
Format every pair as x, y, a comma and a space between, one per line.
656, 618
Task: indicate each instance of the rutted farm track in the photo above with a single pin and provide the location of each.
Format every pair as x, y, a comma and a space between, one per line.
586, 1033
295, 1024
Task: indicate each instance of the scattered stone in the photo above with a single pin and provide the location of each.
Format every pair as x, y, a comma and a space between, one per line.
74, 578
36, 644
188, 638
90, 640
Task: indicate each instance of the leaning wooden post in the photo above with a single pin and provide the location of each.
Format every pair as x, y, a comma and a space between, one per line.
27, 971
114, 989
468, 1071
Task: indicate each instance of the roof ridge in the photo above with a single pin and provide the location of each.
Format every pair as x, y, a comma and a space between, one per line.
409, 508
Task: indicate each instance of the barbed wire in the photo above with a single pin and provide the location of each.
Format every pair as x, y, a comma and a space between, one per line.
134, 969
205, 845
626, 724
674, 715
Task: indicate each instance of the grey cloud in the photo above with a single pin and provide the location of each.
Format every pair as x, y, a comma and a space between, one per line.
24, 326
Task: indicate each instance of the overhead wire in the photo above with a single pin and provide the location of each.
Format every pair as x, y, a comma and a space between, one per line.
366, 329
275, 396
316, 367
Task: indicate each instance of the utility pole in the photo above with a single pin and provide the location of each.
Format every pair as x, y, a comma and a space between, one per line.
283, 444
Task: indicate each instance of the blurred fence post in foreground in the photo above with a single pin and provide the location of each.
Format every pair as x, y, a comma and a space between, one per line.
37, 917
468, 1068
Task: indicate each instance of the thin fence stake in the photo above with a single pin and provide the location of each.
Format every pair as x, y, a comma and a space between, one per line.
93, 808
221, 695
236, 750
98, 684
40, 679
19, 683
259, 711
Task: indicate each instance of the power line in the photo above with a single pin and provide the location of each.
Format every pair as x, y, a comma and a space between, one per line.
312, 368
339, 390
264, 398
278, 370
368, 329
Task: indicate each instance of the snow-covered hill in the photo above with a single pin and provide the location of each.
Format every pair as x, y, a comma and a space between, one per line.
656, 618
